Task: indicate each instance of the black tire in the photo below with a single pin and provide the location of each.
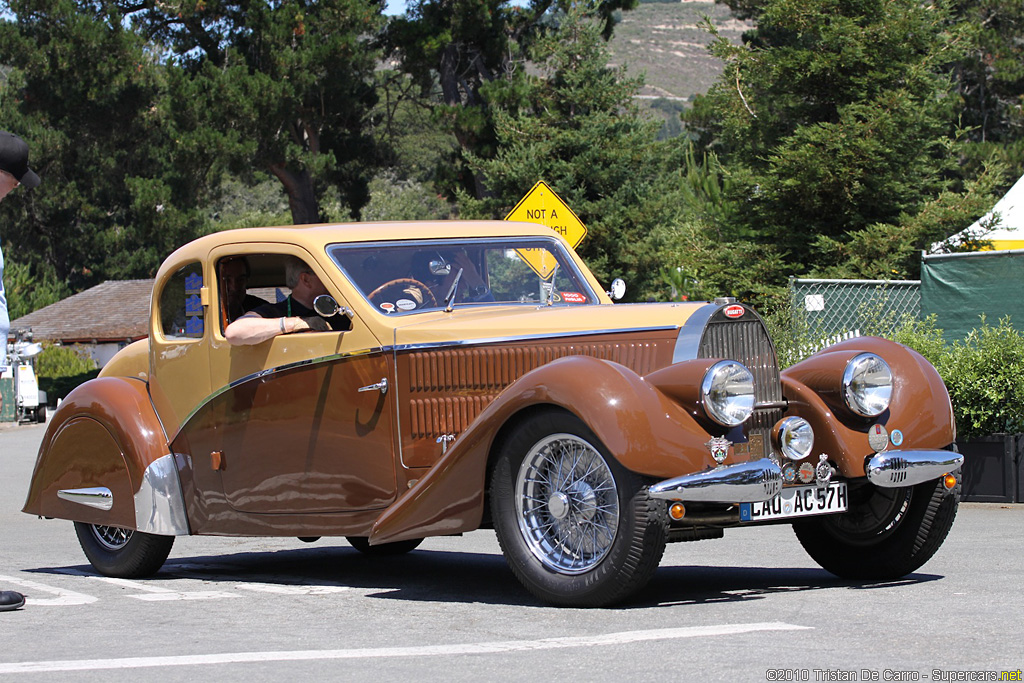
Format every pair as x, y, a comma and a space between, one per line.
123, 553
362, 544
885, 534
41, 414
588, 536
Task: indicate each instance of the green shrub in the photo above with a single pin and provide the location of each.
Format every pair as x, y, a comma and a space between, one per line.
984, 374
60, 369
923, 337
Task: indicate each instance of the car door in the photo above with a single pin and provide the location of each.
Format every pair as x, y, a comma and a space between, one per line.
287, 429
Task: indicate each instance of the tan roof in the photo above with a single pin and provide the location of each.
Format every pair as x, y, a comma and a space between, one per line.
116, 310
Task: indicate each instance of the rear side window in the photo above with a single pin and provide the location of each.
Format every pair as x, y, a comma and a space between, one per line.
181, 309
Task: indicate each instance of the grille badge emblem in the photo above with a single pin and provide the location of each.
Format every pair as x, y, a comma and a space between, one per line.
734, 311
719, 447
823, 472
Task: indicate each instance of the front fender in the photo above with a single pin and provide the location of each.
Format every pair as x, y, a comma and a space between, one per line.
646, 431
920, 409
104, 460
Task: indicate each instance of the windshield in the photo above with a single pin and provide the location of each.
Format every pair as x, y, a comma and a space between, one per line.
404, 277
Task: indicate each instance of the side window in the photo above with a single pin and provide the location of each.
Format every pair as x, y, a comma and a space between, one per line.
234, 276
181, 312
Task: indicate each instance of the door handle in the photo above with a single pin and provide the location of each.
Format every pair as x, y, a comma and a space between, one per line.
381, 386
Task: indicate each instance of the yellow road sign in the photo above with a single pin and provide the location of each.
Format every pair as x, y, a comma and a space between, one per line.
542, 205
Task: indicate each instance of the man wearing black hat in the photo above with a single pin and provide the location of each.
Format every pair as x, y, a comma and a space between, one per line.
14, 171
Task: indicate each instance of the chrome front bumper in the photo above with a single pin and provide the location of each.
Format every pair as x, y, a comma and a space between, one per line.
747, 482
892, 469
760, 480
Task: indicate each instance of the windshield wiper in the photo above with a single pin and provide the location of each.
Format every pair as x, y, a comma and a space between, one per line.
449, 300
553, 291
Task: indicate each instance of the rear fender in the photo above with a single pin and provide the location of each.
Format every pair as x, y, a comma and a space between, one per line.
104, 460
919, 410
646, 431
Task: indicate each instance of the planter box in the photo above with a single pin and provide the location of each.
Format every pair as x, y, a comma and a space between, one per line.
992, 468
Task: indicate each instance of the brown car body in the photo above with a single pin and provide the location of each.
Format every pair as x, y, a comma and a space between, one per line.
295, 436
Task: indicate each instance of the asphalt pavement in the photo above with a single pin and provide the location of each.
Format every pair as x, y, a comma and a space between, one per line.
749, 607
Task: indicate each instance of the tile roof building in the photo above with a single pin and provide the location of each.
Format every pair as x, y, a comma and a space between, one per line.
104, 318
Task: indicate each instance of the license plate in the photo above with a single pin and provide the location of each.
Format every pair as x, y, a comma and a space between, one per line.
798, 501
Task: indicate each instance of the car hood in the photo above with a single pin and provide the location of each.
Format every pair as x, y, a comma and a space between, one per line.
484, 323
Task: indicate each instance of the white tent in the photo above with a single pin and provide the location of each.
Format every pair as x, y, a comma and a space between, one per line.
1010, 233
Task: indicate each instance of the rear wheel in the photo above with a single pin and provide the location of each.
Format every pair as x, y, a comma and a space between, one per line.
362, 544
576, 527
123, 553
885, 534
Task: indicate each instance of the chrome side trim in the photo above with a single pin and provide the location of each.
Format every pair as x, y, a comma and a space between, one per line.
159, 503
98, 497
692, 331
892, 469
747, 482
527, 337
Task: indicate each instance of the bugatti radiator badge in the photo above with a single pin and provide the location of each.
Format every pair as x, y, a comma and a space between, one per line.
719, 447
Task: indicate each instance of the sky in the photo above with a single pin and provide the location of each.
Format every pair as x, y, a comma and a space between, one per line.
395, 7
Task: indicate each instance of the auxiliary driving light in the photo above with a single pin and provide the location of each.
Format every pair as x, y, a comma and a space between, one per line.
794, 436
676, 511
949, 481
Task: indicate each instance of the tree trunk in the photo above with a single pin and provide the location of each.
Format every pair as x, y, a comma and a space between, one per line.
301, 197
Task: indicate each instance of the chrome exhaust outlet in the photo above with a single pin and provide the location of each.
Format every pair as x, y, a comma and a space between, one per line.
747, 482
892, 469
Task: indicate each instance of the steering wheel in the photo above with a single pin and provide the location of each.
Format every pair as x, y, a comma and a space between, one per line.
404, 288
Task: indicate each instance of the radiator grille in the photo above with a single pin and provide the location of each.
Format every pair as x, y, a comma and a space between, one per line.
747, 341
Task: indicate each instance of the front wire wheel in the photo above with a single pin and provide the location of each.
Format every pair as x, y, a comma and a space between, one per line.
567, 504
123, 553
576, 527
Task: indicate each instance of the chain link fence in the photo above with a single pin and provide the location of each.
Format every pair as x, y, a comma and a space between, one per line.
827, 311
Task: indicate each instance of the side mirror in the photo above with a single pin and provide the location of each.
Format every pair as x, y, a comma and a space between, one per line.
327, 307
618, 289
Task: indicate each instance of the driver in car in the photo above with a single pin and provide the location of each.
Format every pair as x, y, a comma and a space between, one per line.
294, 314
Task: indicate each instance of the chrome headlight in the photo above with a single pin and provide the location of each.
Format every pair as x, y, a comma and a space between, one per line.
794, 437
867, 385
727, 393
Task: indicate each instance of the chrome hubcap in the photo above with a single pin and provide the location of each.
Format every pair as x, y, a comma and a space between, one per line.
567, 504
558, 505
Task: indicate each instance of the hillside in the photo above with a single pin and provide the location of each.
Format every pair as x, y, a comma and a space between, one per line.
662, 41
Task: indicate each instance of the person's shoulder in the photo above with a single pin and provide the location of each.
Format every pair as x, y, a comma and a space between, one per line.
268, 310
252, 302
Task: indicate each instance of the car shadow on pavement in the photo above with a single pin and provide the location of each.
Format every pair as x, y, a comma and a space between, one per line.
466, 577
680, 585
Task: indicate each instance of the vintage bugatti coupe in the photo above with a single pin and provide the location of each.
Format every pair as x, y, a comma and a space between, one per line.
476, 374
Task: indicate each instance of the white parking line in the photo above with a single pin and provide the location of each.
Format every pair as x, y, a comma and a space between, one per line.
152, 592
203, 573
501, 647
64, 597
